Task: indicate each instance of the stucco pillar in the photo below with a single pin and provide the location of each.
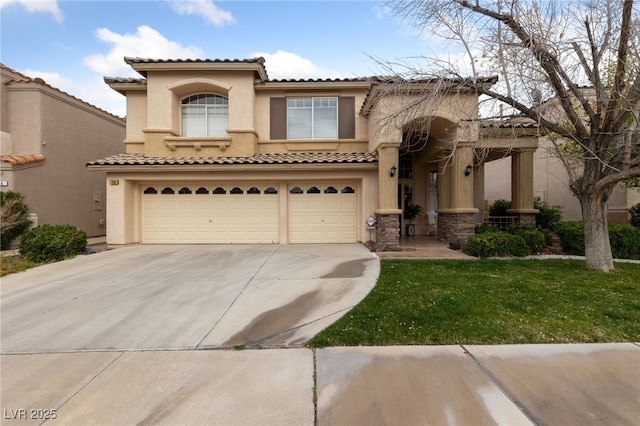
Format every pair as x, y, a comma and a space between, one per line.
388, 214
478, 187
121, 217
522, 187
456, 218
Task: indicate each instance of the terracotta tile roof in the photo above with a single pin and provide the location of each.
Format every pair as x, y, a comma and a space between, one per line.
275, 158
20, 159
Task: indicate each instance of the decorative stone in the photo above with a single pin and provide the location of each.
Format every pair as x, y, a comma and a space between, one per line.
388, 230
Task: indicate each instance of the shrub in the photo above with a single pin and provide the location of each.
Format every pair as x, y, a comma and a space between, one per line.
499, 208
536, 240
625, 241
548, 217
571, 235
49, 243
484, 228
14, 217
634, 216
496, 244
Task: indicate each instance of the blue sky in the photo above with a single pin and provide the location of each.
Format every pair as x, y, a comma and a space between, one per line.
72, 45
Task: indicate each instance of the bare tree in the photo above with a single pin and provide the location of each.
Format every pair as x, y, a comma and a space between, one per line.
582, 56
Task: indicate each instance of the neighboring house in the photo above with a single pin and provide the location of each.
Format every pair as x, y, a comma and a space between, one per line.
551, 183
216, 152
47, 138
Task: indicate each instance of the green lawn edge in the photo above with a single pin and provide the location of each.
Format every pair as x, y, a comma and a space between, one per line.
492, 301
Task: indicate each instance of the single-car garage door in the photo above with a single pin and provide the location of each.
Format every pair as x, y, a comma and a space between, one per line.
210, 213
322, 213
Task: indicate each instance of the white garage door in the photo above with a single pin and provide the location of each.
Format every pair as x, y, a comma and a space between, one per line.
322, 213
217, 213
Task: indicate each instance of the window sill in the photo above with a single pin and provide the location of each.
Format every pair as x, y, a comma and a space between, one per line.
197, 143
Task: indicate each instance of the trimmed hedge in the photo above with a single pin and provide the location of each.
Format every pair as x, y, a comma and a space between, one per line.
536, 240
50, 243
624, 239
496, 244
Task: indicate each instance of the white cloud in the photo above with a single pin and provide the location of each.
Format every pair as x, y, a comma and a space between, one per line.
211, 13
35, 6
96, 92
51, 78
285, 65
146, 42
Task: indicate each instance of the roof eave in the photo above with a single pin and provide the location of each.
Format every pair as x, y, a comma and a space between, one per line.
142, 67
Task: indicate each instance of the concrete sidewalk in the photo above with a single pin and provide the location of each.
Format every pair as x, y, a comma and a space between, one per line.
573, 384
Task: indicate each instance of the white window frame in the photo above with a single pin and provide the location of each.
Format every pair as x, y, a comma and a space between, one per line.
313, 104
209, 113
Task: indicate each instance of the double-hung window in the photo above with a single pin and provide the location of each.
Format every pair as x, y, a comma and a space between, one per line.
204, 115
312, 118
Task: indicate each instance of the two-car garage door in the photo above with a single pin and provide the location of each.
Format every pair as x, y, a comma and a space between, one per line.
248, 213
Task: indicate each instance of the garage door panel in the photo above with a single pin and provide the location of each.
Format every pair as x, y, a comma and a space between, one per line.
324, 217
206, 217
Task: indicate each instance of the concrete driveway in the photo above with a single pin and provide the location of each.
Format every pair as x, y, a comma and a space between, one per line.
184, 297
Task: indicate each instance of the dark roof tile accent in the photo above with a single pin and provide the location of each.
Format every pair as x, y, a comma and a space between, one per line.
274, 158
137, 60
111, 80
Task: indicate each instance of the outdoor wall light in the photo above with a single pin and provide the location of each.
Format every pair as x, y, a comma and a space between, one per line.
467, 170
392, 172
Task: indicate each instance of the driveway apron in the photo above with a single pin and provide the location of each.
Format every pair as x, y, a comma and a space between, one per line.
184, 297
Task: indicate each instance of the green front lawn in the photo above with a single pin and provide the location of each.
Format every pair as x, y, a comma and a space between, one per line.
437, 302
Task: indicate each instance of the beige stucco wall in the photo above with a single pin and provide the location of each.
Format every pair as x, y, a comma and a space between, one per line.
549, 184
70, 133
124, 190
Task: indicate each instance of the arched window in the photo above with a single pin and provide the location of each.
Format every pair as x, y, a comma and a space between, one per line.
296, 190
236, 190
271, 190
202, 190
184, 190
313, 190
219, 190
253, 190
151, 190
168, 190
330, 190
205, 114
348, 190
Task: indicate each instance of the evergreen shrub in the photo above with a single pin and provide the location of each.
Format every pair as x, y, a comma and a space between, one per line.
496, 244
50, 243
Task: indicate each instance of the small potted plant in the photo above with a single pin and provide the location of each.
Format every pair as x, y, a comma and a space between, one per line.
411, 211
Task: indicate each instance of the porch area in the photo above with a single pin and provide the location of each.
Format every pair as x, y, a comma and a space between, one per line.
423, 247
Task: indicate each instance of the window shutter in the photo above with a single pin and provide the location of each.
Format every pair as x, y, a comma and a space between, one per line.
278, 118
347, 117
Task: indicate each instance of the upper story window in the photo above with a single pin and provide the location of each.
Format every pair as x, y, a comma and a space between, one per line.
312, 118
205, 114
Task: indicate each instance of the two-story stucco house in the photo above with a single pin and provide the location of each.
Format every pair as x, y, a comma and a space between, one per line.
47, 138
216, 152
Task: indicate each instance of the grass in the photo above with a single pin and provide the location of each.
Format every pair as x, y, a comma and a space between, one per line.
13, 264
431, 302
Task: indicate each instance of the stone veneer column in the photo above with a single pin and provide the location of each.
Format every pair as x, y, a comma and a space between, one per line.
388, 214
